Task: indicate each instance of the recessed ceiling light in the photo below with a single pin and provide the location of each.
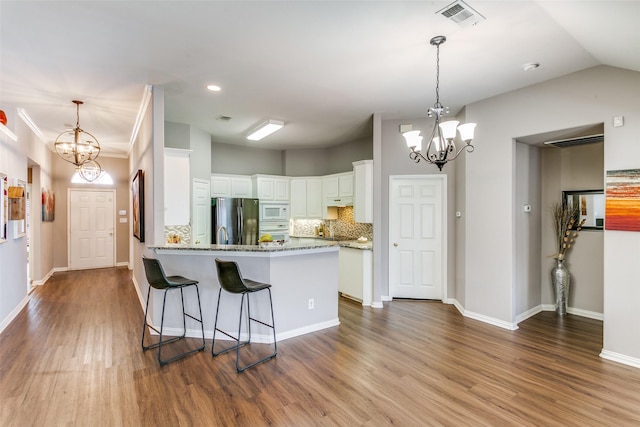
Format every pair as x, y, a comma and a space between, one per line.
531, 66
214, 88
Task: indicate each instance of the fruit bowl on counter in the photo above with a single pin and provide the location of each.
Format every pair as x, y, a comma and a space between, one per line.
266, 241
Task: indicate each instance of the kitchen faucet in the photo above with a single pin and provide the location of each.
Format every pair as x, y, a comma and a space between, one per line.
226, 234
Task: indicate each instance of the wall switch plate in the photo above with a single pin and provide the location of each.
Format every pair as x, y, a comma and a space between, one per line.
122, 212
527, 208
123, 219
618, 121
311, 304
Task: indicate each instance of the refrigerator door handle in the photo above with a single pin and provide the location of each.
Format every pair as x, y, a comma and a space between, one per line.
240, 225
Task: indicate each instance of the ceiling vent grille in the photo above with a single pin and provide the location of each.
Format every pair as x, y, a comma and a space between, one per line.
461, 13
570, 142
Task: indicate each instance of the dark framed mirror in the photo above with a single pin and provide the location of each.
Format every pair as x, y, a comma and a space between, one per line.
591, 204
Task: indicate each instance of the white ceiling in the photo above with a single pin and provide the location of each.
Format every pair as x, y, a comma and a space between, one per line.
322, 67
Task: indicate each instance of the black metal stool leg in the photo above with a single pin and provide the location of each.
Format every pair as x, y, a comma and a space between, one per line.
201, 318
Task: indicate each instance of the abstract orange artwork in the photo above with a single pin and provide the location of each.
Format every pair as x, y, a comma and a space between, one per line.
623, 200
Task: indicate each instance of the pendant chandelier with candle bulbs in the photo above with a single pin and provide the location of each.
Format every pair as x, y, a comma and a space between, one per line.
80, 148
441, 146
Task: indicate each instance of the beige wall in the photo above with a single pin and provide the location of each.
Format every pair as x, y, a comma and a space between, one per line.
566, 169
63, 171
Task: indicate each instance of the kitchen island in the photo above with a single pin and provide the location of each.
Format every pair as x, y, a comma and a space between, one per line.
303, 274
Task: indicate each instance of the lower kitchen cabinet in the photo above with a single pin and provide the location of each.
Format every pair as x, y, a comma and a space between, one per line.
355, 275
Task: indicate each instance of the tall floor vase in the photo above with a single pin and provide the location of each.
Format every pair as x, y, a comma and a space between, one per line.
560, 278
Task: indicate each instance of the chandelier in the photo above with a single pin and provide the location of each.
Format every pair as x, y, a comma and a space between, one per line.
80, 148
441, 146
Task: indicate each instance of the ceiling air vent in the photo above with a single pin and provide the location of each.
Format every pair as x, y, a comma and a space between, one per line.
224, 118
461, 13
570, 142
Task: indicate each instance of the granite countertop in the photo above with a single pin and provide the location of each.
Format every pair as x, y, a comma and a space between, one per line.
293, 244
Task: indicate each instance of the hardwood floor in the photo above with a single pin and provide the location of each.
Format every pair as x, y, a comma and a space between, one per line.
73, 357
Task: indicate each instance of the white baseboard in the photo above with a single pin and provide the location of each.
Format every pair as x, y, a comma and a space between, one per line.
529, 313
257, 338
137, 288
386, 298
123, 264
60, 269
377, 304
575, 311
7, 320
44, 279
585, 313
620, 358
481, 317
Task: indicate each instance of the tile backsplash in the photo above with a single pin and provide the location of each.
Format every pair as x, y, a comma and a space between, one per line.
344, 226
177, 234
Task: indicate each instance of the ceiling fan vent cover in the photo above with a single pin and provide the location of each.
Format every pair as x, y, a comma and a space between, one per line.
461, 13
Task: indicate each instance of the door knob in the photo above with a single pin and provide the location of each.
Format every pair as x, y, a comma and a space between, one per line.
395, 244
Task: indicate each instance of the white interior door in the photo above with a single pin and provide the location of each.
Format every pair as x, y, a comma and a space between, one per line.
201, 211
91, 229
417, 227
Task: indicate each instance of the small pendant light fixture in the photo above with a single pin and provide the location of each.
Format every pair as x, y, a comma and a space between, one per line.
80, 148
441, 147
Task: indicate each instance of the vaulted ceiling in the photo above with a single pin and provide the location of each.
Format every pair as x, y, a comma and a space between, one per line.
322, 67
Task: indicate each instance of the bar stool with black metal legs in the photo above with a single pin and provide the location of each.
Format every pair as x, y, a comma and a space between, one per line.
158, 280
231, 281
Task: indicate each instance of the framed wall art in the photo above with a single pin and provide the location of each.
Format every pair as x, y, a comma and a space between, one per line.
48, 205
591, 204
137, 207
623, 200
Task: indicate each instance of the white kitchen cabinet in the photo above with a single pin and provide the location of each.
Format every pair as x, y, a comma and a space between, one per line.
314, 198
177, 184
363, 191
306, 198
223, 185
345, 184
337, 185
355, 274
271, 188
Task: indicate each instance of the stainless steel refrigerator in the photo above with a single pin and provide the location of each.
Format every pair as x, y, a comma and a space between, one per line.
234, 221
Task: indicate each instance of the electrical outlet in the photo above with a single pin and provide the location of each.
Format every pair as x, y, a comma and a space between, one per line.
311, 304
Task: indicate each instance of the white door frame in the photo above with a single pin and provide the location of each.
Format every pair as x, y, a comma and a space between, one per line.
442, 180
193, 210
92, 190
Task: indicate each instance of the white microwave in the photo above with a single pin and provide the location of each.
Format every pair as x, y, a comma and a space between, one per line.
274, 211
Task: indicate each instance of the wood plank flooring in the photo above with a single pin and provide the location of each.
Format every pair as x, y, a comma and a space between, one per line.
72, 358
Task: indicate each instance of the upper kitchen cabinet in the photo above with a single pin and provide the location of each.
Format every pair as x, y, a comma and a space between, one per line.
306, 198
223, 185
271, 188
363, 200
338, 185
177, 184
